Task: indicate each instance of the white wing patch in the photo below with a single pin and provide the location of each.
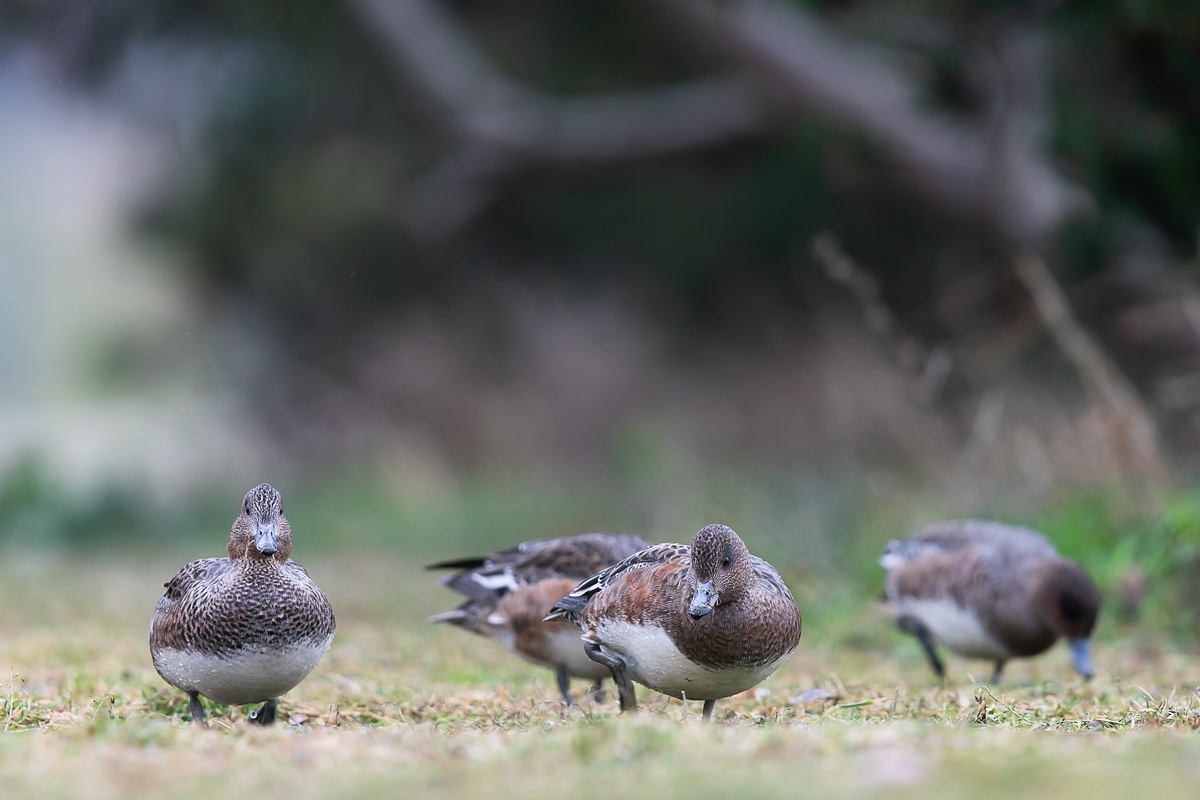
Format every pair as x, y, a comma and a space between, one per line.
496, 582
891, 560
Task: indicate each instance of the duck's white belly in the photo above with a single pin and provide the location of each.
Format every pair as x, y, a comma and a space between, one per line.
246, 676
567, 649
560, 644
654, 661
954, 626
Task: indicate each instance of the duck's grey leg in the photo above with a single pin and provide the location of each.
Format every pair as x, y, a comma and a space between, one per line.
564, 683
264, 714
999, 669
708, 709
197, 709
913, 625
597, 691
620, 677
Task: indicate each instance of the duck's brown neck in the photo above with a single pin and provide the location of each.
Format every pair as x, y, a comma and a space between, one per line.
244, 550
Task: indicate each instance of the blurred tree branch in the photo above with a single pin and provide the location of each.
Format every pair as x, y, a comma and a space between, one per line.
995, 172
504, 127
926, 367
782, 67
1129, 422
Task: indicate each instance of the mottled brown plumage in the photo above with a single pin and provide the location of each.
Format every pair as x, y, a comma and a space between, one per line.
699, 622
510, 592
245, 628
990, 590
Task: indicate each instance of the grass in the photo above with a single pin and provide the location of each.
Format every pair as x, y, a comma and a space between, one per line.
398, 705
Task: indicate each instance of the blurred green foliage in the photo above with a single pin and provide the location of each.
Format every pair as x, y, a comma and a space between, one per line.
1148, 564
38, 510
1127, 79
292, 208
825, 536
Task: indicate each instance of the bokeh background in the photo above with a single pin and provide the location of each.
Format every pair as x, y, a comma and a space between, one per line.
456, 274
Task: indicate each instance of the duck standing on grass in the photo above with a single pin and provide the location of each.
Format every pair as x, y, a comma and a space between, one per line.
510, 592
990, 590
698, 622
247, 628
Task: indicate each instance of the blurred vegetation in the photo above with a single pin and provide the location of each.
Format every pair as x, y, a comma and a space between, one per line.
646, 345
303, 150
308, 155
300, 146
38, 510
824, 538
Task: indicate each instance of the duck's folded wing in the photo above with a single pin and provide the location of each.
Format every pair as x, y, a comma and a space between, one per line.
569, 607
471, 562
191, 574
574, 556
954, 536
486, 580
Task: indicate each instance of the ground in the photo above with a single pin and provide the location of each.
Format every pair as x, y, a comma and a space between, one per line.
402, 705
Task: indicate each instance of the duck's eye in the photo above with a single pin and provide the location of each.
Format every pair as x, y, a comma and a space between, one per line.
725, 561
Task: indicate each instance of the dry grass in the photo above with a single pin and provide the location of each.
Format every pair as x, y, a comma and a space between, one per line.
399, 705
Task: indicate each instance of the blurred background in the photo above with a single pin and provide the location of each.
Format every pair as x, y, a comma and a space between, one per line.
456, 274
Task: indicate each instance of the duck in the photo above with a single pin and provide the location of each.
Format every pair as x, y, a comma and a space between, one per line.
509, 593
247, 627
702, 621
990, 590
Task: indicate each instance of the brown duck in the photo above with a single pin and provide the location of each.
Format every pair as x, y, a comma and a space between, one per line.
510, 592
990, 590
697, 622
245, 628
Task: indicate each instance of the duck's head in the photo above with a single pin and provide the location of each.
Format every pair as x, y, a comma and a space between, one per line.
722, 567
1069, 602
261, 531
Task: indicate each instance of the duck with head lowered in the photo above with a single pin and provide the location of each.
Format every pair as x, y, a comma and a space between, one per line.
990, 590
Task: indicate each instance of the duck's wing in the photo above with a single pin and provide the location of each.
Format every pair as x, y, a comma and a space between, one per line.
573, 556
480, 579
569, 607
767, 574
989, 540
169, 620
470, 562
296, 570
977, 563
485, 580
313, 615
193, 573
